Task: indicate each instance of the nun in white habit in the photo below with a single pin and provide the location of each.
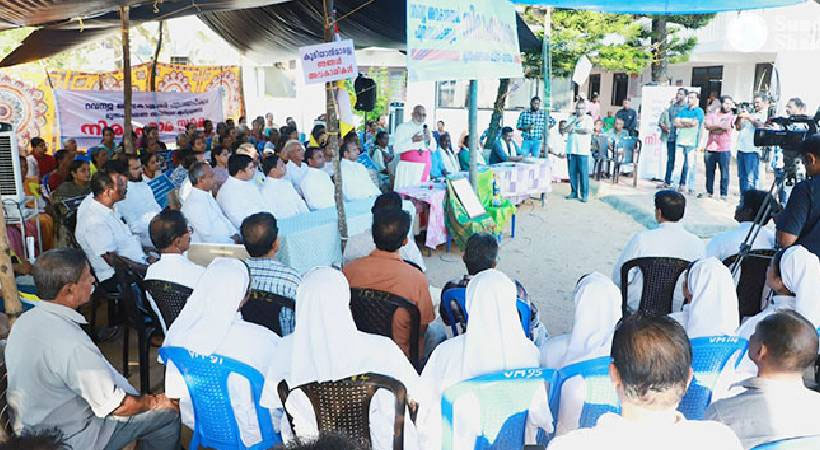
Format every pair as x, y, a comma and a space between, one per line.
210, 323
493, 341
597, 312
711, 307
326, 346
794, 276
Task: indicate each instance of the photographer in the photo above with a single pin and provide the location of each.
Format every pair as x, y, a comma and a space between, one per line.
748, 156
783, 159
799, 223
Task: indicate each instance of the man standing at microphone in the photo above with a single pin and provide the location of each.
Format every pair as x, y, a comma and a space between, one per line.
412, 145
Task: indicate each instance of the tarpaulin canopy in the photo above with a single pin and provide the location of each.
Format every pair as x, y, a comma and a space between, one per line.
263, 29
661, 6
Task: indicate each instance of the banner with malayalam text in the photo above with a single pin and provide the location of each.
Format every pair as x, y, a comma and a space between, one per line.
465, 40
329, 61
82, 115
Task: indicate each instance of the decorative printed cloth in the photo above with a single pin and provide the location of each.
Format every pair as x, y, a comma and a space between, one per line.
519, 181
432, 195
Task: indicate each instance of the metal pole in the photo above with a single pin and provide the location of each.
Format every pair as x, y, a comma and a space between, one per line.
547, 71
473, 127
127, 139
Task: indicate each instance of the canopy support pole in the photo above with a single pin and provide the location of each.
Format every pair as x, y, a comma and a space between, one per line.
156, 58
473, 130
547, 71
127, 138
11, 300
332, 128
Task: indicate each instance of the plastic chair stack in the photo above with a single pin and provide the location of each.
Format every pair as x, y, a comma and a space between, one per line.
207, 380
710, 356
504, 399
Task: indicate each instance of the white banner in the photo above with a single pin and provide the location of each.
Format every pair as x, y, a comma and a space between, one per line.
654, 100
82, 115
463, 40
330, 61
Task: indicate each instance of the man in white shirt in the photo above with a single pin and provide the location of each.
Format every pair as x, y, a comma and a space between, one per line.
282, 199
651, 369
316, 185
294, 154
102, 234
139, 206
239, 197
58, 378
776, 404
726, 244
670, 239
171, 235
412, 144
203, 213
579, 141
748, 156
356, 181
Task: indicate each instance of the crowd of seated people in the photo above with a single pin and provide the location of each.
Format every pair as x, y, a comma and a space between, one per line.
240, 182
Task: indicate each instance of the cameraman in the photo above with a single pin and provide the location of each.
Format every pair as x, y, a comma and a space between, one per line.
748, 156
799, 223
783, 161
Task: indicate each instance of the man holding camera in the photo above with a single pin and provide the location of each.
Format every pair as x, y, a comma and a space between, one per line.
799, 223
748, 156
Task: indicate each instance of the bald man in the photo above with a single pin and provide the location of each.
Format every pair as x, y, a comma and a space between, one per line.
413, 145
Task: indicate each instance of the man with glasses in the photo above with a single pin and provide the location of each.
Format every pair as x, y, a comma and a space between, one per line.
413, 145
171, 235
239, 197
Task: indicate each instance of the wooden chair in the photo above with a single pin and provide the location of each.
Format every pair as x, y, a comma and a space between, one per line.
264, 308
660, 275
343, 406
373, 312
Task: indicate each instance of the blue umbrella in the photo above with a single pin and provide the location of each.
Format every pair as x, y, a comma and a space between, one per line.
661, 6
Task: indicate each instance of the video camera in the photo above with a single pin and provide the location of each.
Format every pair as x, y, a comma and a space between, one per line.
787, 138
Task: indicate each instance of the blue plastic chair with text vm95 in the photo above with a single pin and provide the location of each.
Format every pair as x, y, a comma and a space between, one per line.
455, 298
214, 420
710, 356
601, 396
798, 443
502, 400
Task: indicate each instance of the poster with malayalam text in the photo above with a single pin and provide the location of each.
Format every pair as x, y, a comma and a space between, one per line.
330, 61
465, 40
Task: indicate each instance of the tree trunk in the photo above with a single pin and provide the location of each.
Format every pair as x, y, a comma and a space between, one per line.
659, 49
127, 138
11, 300
498, 112
333, 131
156, 57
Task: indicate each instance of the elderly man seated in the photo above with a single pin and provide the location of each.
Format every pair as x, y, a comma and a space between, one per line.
171, 235
670, 239
139, 206
316, 185
776, 404
651, 369
100, 231
384, 270
261, 240
281, 198
356, 180
204, 216
58, 379
239, 197
294, 154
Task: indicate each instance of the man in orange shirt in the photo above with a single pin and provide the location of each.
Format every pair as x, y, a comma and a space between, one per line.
384, 270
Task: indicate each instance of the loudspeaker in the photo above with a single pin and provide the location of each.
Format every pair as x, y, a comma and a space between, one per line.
365, 93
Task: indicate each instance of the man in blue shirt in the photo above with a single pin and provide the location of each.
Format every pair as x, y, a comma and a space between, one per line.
667, 124
799, 223
688, 129
505, 149
629, 116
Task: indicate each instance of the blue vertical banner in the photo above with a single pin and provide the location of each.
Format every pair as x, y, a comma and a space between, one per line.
462, 40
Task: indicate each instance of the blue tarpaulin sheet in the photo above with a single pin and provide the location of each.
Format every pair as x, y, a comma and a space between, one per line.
661, 6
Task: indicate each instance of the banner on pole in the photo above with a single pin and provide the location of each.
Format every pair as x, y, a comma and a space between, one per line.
328, 62
82, 115
467, 40
654, 100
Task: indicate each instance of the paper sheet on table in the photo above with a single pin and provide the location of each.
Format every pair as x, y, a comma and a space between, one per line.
468, 198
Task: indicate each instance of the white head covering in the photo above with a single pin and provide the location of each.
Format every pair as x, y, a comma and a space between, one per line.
494, 339
800, 271
326, 344
714, 309
205, 320
597, 311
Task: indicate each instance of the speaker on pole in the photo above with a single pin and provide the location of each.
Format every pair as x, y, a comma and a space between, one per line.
365, 93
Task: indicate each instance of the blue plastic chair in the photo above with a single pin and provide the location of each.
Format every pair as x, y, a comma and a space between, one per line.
504, 398
207, 380
458, 295
710, 355
601, 396
798, 443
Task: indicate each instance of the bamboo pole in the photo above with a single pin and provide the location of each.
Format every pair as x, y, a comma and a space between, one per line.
332, 128
128, 139
11, 300
156, 57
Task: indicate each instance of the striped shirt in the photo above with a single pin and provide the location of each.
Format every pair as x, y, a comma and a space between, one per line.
272, 276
